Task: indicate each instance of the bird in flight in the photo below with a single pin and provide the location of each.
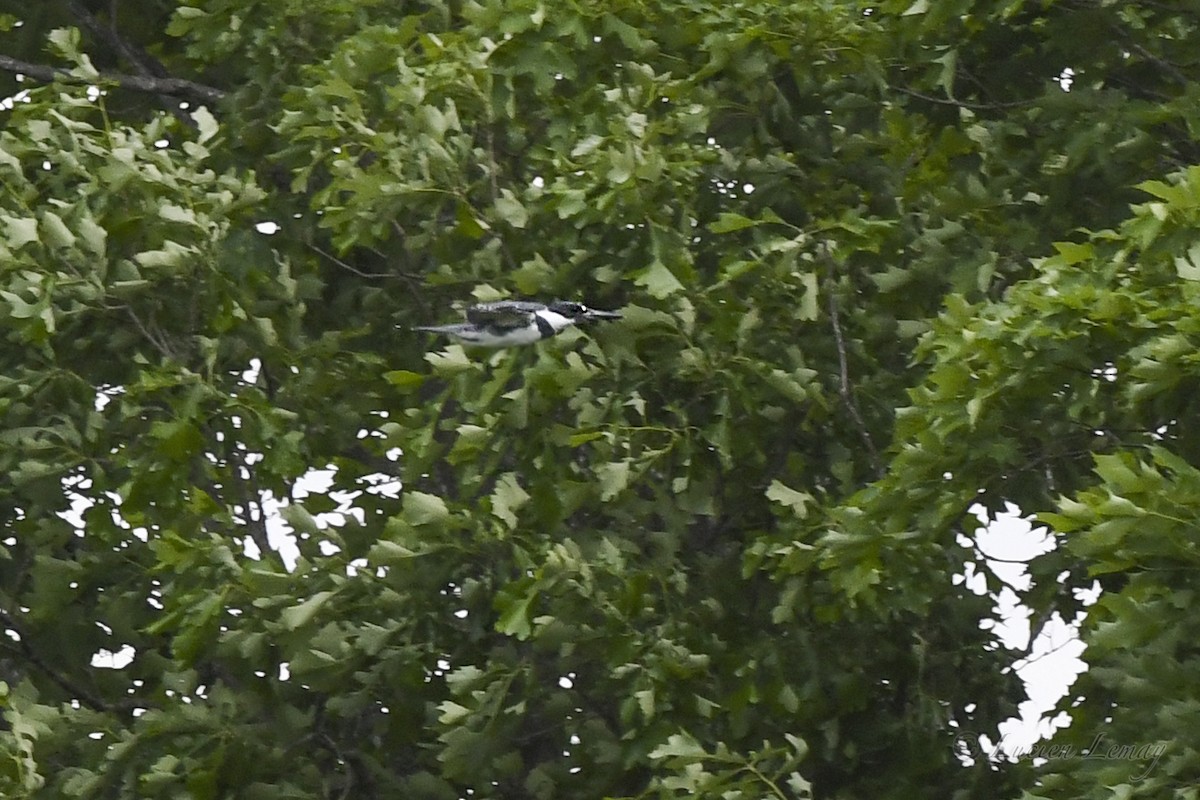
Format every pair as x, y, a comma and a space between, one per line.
506, 323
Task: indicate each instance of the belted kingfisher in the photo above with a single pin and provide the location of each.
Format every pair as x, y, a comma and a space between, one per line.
506, 323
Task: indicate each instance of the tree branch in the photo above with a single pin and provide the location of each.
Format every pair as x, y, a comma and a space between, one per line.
175, 87
844, 375
1166, 66
159, 342
76, 691
346, 266
143, 63
945, 101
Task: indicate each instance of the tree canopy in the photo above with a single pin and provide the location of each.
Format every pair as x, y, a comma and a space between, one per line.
883, 267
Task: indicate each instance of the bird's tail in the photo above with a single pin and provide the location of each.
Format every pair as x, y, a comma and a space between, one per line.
436, 328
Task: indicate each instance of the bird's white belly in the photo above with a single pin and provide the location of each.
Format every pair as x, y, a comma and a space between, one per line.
510, 338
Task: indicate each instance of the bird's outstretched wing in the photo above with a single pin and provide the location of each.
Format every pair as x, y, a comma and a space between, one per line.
503, 314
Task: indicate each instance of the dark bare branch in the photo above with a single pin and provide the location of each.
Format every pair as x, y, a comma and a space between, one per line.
1170, 69
143, 63
360, 273
175, 87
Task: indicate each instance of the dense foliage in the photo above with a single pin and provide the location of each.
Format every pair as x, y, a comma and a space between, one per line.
878, 263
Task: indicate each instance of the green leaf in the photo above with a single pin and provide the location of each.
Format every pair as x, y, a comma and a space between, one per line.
200, 628
7, 159
404, 380
678, 745
55, 232
646, 702
450, 361
514, 617
1188, 267
794, 385
509, 209
1072, 253
507, 498
92, 235
727, 222
801, 787
420, 508
891, 279
658, 280
19, 231
452, 713
389, 553
471, 440
810, 303
586, 146
178, 439
576, 439
298, 517
1164, 191
622, 165
797, 501
974, 409
469, 224
18, 308
65, 42
174, 213
206, 124
172, 255
427, 785
300, 615
789, 699
799, 746
1116, 471
636, 121
613, 478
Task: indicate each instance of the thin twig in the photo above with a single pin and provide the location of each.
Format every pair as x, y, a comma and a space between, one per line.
492, 166
342, 760
176, 87
1022, 663
1022, 561
346, 266
844, 374
385, 259
146, 65
409, 278
947, 101
158, 343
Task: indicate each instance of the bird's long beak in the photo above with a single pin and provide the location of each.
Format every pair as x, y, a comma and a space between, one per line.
593, 313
